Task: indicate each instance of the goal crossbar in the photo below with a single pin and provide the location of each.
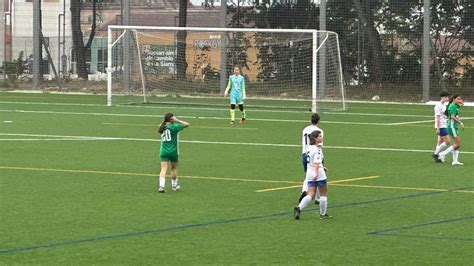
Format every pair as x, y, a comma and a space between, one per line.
118, 27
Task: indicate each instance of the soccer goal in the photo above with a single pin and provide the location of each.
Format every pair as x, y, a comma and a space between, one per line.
302, 67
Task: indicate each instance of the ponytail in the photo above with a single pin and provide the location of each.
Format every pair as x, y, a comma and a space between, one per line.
162, 127
446, 112
166, 120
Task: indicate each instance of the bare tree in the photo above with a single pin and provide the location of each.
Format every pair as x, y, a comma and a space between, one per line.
365, 14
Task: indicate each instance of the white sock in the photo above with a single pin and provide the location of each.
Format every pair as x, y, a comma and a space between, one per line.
174, 182
305, 186
455, 155
162, 181
304, 202
317, 194
440, 147
323, 205
448, 150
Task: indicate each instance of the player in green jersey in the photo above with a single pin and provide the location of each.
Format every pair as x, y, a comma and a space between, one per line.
169, 130
454, 122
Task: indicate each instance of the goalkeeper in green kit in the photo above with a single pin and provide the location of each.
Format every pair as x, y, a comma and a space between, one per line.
169, 130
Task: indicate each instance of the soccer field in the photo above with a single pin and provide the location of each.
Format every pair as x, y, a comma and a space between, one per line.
78, 185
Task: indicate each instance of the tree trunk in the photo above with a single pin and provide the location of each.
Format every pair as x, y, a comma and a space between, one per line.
77, 36
181, 64
78, 44
366, 17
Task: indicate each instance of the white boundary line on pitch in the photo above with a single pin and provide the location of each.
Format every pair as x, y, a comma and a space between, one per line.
412, 122
79, 138
196, 117
420, 122
149, 107
150, 125
187, 117
47, 139
213, 109
226, 118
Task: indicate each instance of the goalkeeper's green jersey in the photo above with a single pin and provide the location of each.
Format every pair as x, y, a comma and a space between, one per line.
169, 138
453, 109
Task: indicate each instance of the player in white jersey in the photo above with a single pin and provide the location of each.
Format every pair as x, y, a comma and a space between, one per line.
441, 120
305, 140
315, 177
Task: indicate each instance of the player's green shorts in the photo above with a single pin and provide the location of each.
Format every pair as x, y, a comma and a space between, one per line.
453, 132
169, 157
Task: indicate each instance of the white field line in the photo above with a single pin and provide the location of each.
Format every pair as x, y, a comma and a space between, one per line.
197, 117
79, 138
411, 122
258, 110
420, 122
150, 107
210, 97
150, 125
188, 117
47, 139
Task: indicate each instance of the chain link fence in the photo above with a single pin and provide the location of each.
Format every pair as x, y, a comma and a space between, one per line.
381, 41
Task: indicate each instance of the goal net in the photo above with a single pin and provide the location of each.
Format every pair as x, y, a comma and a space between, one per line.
282, 68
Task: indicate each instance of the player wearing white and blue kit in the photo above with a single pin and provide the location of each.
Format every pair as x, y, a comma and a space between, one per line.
305, 144
315, 177
441, 119
236, 86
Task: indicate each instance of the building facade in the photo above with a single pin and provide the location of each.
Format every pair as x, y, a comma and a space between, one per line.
56, 30
2, 33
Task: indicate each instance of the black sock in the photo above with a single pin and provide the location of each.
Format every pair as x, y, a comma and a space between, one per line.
303, 194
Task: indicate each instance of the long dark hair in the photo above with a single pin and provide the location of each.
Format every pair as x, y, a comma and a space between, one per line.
446, 112
313, 136
167, 119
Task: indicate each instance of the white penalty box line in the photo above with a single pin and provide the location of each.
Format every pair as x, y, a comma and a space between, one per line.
40, 137
226, 118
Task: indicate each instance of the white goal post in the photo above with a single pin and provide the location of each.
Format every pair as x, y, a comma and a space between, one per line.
284, 63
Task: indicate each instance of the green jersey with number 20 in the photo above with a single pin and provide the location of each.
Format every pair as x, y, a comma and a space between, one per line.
169, 138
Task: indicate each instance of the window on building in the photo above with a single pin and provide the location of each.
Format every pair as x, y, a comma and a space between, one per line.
102, 60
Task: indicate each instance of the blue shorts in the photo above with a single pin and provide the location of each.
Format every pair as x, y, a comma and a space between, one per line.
443, 132
304, 161
320, 183
236, 99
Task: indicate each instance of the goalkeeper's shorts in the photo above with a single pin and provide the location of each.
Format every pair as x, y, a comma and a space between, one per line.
236, 99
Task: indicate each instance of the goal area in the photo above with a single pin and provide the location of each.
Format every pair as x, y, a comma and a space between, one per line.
283, 68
